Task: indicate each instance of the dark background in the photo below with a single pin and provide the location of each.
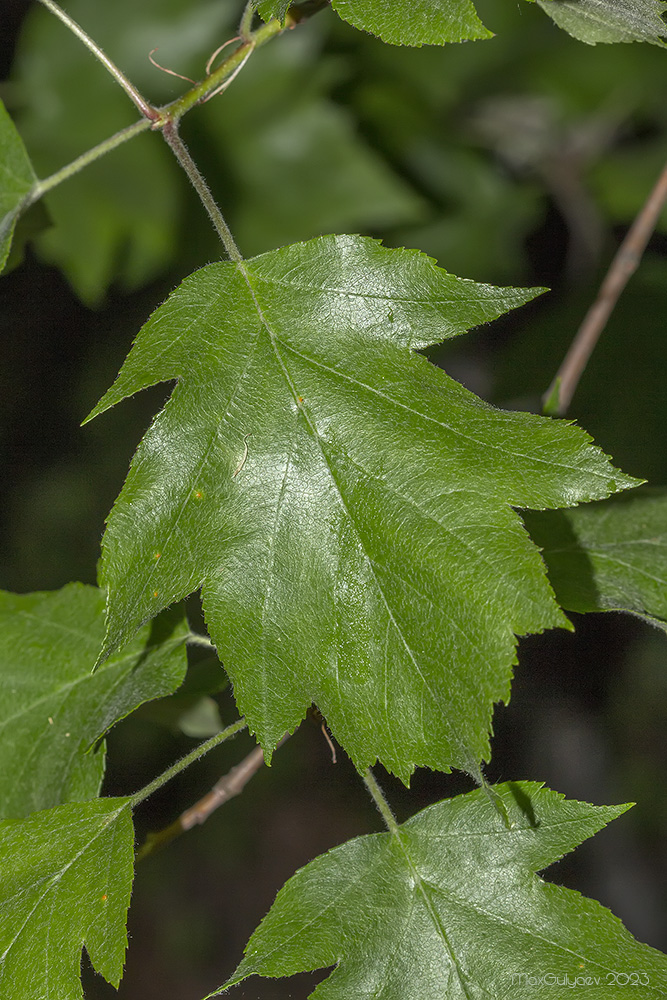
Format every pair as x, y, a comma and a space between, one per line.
520, 160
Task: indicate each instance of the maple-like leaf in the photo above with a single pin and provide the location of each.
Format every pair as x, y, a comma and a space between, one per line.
53, 708
594, 21
65, 882
609, 556
448, 907
345, 506
16, 179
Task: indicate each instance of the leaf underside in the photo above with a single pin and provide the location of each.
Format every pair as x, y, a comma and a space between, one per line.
65, 882
595, 21
345, 507
53, 709
609, 556
16, 178
450, 907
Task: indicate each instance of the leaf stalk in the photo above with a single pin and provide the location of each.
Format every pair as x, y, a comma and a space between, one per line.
184, 762
180, 151
380, 801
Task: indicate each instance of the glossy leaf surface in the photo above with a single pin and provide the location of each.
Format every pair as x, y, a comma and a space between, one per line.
344, 505
16, 178
608, 556
594, 21
65, 882
449, 906
53, 709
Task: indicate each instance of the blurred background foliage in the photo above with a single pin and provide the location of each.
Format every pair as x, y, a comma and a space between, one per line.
518, 160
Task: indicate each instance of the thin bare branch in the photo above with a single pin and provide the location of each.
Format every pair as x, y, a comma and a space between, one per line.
559, 395
230, 785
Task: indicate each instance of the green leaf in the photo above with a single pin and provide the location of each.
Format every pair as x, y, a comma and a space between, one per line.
269, 9
65, 882
449, 906
414, 22
16, 178
53, 709
343, 504
609, 556
594, 21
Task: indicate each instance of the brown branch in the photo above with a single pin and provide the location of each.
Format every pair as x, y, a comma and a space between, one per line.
623, 266
230, 785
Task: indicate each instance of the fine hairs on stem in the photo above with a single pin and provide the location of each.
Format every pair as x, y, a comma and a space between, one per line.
180, 151
380, 801
146, 109
190, 758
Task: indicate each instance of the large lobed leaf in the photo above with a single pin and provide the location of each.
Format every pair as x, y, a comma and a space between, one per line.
65, 882
609, 556
345, 507
53, 708
449, 908
594, 21
16, 179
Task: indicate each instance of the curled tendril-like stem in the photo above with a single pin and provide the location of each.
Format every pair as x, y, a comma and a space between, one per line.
164, 69
209, 64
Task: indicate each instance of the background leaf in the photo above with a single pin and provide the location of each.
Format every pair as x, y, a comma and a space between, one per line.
610, 556
344, 505
16, 178
450, 906
65, 882
414, 22
53, 708
594, 21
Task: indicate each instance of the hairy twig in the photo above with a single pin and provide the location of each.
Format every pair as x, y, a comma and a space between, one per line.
184, 762
230, 785
559, 395
146, 109
179, 149
380, 801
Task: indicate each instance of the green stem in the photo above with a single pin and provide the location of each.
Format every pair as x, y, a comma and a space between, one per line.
144, 107
190, 758
42, 187
245, 27
179, 149
156, 118
174, 112
197, 639
380, 801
